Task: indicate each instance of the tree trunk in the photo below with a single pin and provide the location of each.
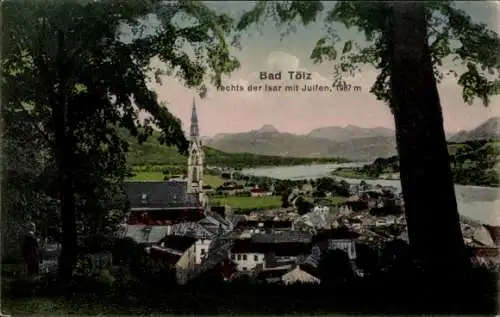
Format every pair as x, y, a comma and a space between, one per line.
426, 178
64, 148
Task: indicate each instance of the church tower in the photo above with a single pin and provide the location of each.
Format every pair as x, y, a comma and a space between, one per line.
196, 156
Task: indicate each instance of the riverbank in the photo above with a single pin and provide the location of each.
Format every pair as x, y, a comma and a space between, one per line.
352, 174
475, 202
366, 174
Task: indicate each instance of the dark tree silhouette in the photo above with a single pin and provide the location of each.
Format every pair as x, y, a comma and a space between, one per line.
421, 142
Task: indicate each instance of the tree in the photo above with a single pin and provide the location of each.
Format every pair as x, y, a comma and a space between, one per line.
421, 140
391, 29
23, 169
67, 69
335, 268
318, 194
303, 206
284, 199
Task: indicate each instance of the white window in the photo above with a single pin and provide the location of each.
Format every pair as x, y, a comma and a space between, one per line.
244, 257
202, 250
233, 257
239, 257
256, 258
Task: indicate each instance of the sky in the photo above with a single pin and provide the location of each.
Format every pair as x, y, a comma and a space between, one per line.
299, 112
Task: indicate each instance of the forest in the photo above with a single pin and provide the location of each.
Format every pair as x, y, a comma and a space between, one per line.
472, 163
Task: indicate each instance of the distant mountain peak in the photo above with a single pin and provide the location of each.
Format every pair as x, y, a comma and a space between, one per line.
489, 129
267, 128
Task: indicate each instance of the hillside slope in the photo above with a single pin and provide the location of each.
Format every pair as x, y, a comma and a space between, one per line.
350, 132
488, 130
152, 152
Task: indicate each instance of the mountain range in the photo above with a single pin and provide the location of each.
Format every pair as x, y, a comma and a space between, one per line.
490, 129
351, 142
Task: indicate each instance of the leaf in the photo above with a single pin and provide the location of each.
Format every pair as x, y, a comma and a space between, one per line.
252, 16
347, 47
322, 52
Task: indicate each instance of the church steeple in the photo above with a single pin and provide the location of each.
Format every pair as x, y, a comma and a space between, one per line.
195, 130
196, 157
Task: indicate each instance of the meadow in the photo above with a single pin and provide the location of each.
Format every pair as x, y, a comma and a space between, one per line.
151, 176
245, 203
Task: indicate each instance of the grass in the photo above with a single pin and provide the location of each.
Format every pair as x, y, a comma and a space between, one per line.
239, 202
337, 199
147, 176
212, 180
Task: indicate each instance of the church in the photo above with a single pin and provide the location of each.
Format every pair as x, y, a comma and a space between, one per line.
163, 203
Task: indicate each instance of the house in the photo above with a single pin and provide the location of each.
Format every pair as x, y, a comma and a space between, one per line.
346, 245
335, 239
209, 227
201, 248
489, 256
297, 275
227, 173
265, 224
319, 208
354, 189
355, 205
269, 250
260, 192
246, 255
177, 252
274, 274
494, 233
307, 189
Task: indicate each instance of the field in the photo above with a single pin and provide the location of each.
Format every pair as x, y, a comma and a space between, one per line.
249, 202
212, 180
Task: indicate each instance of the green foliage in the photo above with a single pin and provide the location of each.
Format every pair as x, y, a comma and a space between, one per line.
381, 292
153, 154
303, 206
67, 70
472, 163
452, 35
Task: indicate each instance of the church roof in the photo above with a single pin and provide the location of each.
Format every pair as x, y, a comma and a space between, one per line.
166, 194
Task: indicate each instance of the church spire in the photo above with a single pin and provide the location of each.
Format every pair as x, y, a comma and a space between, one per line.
195, 132
196, 157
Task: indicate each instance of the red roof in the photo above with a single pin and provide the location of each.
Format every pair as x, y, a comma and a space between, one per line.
486, 252
257, 190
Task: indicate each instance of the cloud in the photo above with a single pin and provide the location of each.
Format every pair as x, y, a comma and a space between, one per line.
279, 60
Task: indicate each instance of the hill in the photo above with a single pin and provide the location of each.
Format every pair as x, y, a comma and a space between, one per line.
350, 132
351, 142
488, 130
151, 152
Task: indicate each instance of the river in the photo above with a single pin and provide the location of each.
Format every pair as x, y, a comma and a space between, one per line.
479, 203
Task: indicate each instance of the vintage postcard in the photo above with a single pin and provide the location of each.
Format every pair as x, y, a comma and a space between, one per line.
249, 158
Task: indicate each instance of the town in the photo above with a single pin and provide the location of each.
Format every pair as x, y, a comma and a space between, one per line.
177, 222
